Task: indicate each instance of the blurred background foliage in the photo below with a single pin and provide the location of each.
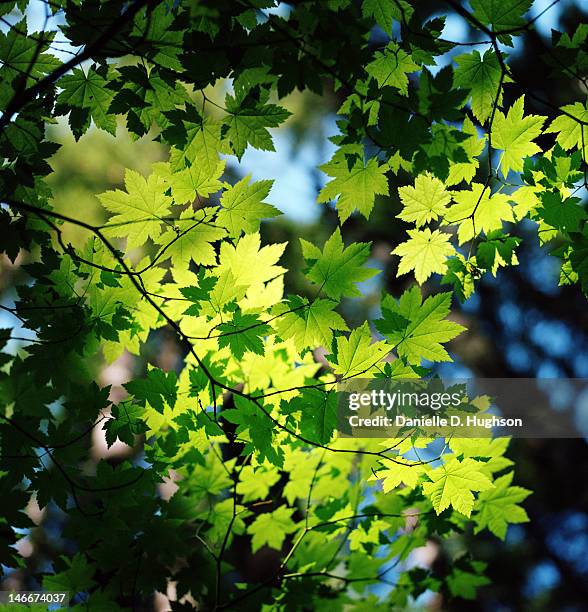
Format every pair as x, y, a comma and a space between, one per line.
521, 324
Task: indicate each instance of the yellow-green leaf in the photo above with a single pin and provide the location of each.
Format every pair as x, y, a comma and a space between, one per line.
425, 252
424, 202
453, 484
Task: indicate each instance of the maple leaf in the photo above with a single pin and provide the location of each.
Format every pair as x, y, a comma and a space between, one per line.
491, 450
497, 250
190, 238
356, 186
562, 214
256, 426
24, 55
477, 210
501, 15
318, 414
200, 143
384, 12
424, 202
247, 124
416, 328
571, 133
337, 269
256, 483
473, 147
86, 91
76, 578
514, 134
243, 207
460, 275
498, 507
525, 199
425, 252
159, 386
225, 291
453, 483
357, 355
146, 96
309, 324
576, 267
399, 473
481, 75
464, 581
198, 294
271, 528
125, 425
157, 28
186, 184
244, 332
238, 260
391, 66
139, 212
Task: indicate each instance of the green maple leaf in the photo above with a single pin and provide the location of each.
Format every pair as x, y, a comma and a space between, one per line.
198, 294
473, 146
146, 97
391, 67
571, 133
490, 450
196, 179
425, 252
416, 328
481, 75
477, 210
498, 247
238, 259
199, 142
191, 238
337, 269
75, 579
13, 235
564, 215
87, 91
357, 354
254, 425
453, 483
165, 42
399, 473
126, 423
46, 491
464, 581
460, 275
256, 483
247, 124
498, 507
310, 325
384, 12
356, 186
271, 528
22, 55
139, 212
159, 386
243, 206
318, 414
501, 15
514, 134
243, 333
577, 264
425, 201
